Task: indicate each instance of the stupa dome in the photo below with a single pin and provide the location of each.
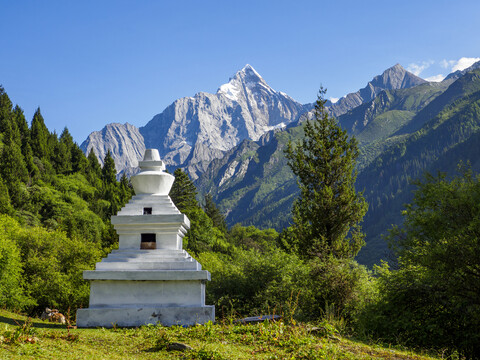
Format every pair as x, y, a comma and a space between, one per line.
152, 179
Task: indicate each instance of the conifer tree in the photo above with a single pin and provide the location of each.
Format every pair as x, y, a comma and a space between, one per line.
109, 173
12, 166
327, 213
183, 191
39, 136
23, 129
5, 110
93, 169
213, 213
79, 161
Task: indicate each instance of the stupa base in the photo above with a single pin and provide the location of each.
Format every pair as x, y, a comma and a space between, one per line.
138, 316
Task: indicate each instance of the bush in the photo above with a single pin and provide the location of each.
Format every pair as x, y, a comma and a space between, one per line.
433, 299
341, 286
251, 283
46, 265
12, 292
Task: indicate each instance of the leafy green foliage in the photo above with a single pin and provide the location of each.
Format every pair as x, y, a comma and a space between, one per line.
60, 203
43, 268
326, 216
12, 290
249, 282
433, 298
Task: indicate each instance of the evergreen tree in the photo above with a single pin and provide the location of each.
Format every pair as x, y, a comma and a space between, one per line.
32, 168
183, 192
5, 110
93, 169
39, 136
61, 160
12, 166
126, 189
327, 213
79, 161
213, 213
109, 173
23, 129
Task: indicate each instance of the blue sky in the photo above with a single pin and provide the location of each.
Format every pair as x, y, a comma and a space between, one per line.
89, 63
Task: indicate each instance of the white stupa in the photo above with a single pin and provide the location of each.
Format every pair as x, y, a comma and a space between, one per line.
150, 279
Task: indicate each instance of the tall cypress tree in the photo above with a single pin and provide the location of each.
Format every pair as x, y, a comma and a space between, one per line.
327, 213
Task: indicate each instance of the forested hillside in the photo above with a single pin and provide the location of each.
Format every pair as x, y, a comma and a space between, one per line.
254, 176
55, 206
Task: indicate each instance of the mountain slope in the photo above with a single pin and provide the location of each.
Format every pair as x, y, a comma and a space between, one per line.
264, 193
393, 78
439, 145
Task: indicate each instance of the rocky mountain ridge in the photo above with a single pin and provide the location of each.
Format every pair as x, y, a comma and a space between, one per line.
192, 131
395, 77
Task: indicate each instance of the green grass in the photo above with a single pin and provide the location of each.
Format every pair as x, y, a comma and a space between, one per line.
23, 338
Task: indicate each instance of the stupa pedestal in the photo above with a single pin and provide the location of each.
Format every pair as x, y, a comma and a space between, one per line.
150, 279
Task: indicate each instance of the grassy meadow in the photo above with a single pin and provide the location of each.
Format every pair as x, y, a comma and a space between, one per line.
32, 338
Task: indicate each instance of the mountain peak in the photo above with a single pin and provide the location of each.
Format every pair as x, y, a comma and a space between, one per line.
395, 77
397, 68
246, 78
248, 70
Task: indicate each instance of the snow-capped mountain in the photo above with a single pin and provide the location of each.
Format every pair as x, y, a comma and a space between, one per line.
192, 131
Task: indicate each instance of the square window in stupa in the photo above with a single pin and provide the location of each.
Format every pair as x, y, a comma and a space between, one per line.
149, 241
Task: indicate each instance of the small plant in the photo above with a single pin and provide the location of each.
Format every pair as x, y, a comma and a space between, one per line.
24, 333
163, 340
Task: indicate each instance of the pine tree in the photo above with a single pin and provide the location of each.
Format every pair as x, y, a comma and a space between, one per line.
79, 161
327, 213
93, 169
213, 213
5, 110
39, 136
183, 191
12, 166
109, 173
23, 129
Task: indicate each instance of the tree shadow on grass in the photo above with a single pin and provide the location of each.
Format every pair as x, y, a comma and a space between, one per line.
35, 322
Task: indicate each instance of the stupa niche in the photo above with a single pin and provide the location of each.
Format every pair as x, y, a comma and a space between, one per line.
150, 279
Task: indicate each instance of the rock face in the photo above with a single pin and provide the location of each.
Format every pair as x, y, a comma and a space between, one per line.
124, 141
195, 130
459, 73
395, 77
